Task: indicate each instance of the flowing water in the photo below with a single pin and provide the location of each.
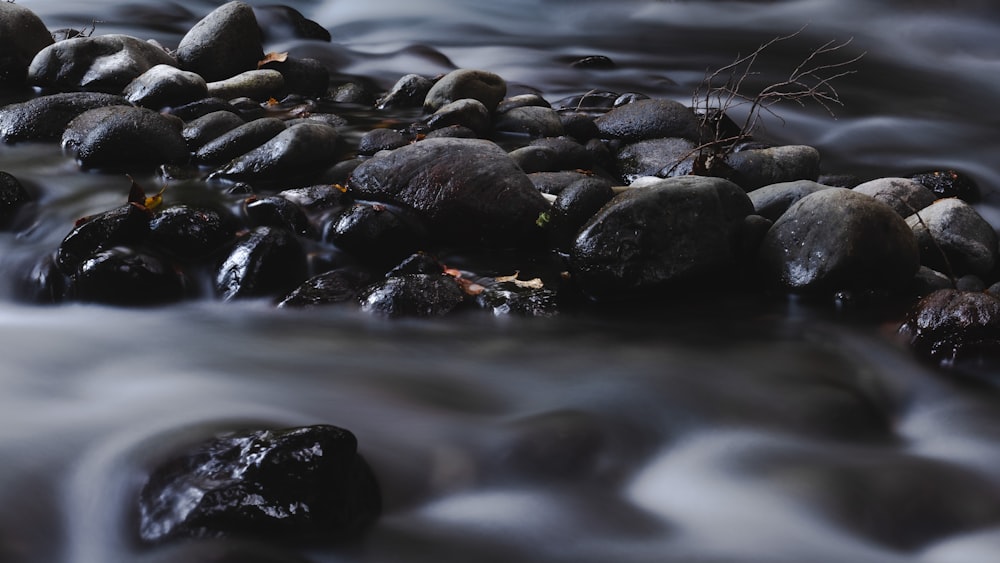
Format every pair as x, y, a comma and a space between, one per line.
730, 431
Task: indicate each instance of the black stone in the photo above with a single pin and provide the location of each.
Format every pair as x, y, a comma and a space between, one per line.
45, 118
266, 261
413, 295
190, 234
950, 183
125, 225
124, 137
573, 207
335, 286
374, 233
13, 198
239, 140
950, 325
276, 211
123, 276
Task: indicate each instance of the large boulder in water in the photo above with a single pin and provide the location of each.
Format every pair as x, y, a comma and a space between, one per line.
224, 43
104, 63
22, 36
466, 190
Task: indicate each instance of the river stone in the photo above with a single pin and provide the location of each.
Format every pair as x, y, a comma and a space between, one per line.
295, 152
950, 225
257, 85
771, 201
904, 195
45, 118
208, 127
239, 140
223, 44
374, 234
573, 207
950, 183
125, 136
335, 286
465, 112
381, 139
480, 85
408, 92
123, 276
124, 225
13, 197
305, 484
102, 63
839, 239
649, 119
536, 160
653, 157
276, 211
190, 234
22, 36
756, 168
266, 261
413, 295
534, 121
522, 100
467, 191
165, 85
949, 324
675, 230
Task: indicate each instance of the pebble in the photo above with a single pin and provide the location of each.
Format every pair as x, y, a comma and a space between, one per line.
466, 112
298, 151
533, 121
265, 262
258, 85
210, 126
413, 295
486, 87
239, 140
165, 85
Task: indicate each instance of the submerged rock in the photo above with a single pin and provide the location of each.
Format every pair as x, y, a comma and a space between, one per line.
948, 325
304, 484
102, 63
413, 295
13, 198
22, 36
123, 276
224, 43
125, 137
45, 118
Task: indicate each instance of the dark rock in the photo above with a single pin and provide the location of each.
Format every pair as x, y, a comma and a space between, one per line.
676, 230
839, 239
335, 286
592, 101
573, 207
756, 168
928, 281
317, 198
239, 140
480, 85
595, 62
970, 282
749, 237
279, 23
465, 113
125, 137
571, 155
408, 92
773, 200
190, 234
649, 119
380, 139
165, 85
44, 283
276, 211
413, 295
196, 109
949, 325
266, 261
209, 127
22, 36
307, 77
258, 85
417, 263
374, 233
224, 43
297, 152
45, 118
13, 198
950, 183
533, 121
327, 119
305, 484
124, 225
104, 63
905, 196
520, 101
629, 98
353, 93
533, 159
579, 125
955, 228
553, 183
452, 132
654, 157
466, 190
509, 298
122, 276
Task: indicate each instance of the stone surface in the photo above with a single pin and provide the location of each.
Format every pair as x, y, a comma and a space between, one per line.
165, 85
123, 276
300, 150
534, 121
649, 119
190, 234
239, 140
208, 127
948, 325
905, 196
45, 118
22, 36
954, 227
264, 262
13, 198
756, 168
102, 63
335, 286
773, 200
259, 85
413, 295
653, 157
465, 112
486, 87
223, 44
408, 92
124, 225
125, 137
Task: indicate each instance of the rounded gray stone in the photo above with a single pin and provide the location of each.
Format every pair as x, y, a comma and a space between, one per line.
45, 118
652, 157
124, 137
904, 195
649, 119
534, 121
165, 85
487, 87
953, 226
254, 84
223, 44
295, 152
757, 168
466, 112
103, 63
22, 36
771, 201
240, 140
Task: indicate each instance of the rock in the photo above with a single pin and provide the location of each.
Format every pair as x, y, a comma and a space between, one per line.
480, 85
123, 276
299, 151
258, 85
677, 230
279, 23
124, 225
954, 227
102, 63
305, 77
905, 196
209, 127
380, 139
970, 282
13, 198
335, 286
772, 201
408, 92
239, 140
520, 101
266, 261
950, 325
44, 283
199, 108
45, 118
553, 183
466, 113
165, 85
190, 234
467, 191
573, 207
304, 484
22, 36
276, 211
317, 198
353, 93
417, 263
509, 298
950, 183
534, 121
928, 281
654, 157
570, 154
756, 168
579, 125
223, 44
532, 160
125, 137
839, 239
413, 295
375, 234
649, 119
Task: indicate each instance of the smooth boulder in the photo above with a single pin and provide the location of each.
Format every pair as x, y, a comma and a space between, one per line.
756, 168
45, 118
125, 137
223, 44
165, 85
481, 85
101, 63
22, 36
904, 195
650, 119
294, 152
954, 228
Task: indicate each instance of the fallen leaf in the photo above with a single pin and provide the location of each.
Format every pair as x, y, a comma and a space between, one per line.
534, 283
272, 58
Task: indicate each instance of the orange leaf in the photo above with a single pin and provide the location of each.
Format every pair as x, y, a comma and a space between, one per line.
272, 58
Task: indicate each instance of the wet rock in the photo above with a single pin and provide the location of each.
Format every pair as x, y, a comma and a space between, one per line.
190, 234
579, 125
103, 63
573, 207
124, 225
44, 283
553, 183
452, 132
353, 93
413, 295
279, 23
772, 201
266, 261
949, 325
534, 121
306, 77
655, 157
649, 119
520, 101
316, 198
22, 36
480, 85
928, 281
165, 85
45, 118
408, 92
532, 160
125, 137
466, 112
196, 109
375, 234
839, 239
13, 197
380, 139
223, 44
276, 211
208, 127
466, 190
950, 183
417, 263
123, 276
240, 140
955, 228
571, 155
595, 62
328, 119
304, 484
756, 168
258, 85
905, 196
335, 286
676, 230
970, 282
299, 151
509, 298
593, 101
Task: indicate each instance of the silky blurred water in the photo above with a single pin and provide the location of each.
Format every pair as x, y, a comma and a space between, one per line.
720, 429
